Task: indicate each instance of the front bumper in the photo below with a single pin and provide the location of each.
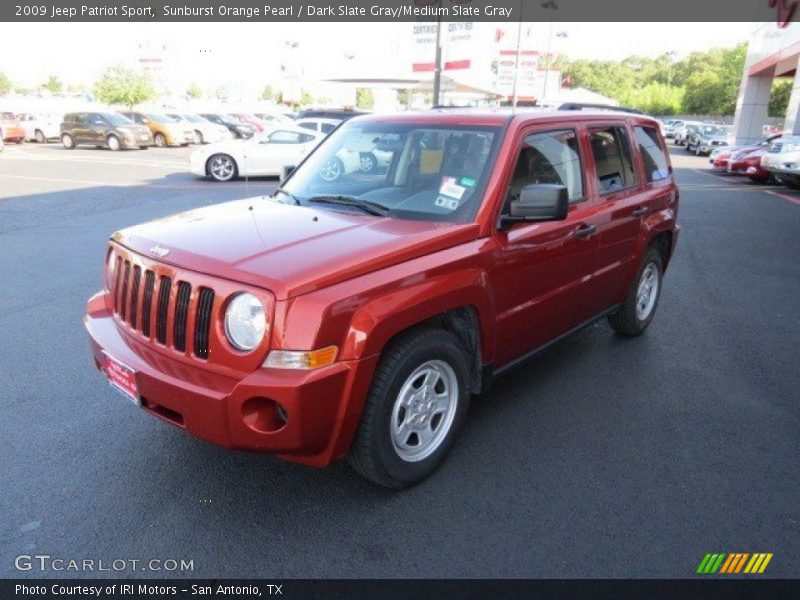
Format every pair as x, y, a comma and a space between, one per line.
323, 407
13, 134
197, 165
137, 140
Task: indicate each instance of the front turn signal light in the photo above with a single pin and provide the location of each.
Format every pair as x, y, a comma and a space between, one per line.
301, 359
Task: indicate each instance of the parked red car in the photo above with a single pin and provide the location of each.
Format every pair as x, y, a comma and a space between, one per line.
356, 317
719, 158
748, 163
251, 120
11, 128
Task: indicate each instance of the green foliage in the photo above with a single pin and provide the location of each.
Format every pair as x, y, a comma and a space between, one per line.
306, 98
5, 83
365, 98
194, 91
779, 98
702, 83
269, 94
53, 84
120, 85
654, 98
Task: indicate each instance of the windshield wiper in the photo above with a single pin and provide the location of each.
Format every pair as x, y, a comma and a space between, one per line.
288, 194
372, 208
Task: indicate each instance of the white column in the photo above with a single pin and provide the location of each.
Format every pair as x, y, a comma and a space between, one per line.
752, 107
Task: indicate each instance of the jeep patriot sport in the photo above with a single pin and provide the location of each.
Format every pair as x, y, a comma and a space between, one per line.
355, 311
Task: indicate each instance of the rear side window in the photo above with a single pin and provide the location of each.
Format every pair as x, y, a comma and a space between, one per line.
549, 157
327, 127
611, 149
653, 154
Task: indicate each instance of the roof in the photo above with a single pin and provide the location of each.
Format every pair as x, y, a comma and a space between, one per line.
494, 116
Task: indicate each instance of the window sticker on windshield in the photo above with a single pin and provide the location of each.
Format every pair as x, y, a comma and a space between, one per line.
448, 203
451, 188
467, 182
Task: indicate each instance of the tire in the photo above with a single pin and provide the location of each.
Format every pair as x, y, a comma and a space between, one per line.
67, 141
332, 169
221, 167
143, 147
39, 136
418, 364
368, 162
160, 140
19, 140
637, 310
113, 143
697, 150
198, 137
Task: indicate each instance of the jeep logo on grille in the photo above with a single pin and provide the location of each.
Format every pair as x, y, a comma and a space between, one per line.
159, 251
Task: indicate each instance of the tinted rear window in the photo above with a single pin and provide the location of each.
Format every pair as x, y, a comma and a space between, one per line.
653, 154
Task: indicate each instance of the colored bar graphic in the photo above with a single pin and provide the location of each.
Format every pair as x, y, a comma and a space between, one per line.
734, 563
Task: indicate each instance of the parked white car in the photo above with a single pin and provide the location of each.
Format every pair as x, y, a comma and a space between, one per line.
41, 127
205, 132
323, 126
263, 155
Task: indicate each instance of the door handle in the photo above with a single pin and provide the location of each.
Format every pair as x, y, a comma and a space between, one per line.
585, 230
640, 212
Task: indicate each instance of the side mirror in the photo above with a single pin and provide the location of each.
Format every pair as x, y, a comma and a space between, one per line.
538, 202
287, 170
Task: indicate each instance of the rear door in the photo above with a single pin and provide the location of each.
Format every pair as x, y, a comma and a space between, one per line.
80, 131
546, 267
625, 188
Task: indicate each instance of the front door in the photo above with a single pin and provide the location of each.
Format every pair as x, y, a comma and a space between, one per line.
547, 266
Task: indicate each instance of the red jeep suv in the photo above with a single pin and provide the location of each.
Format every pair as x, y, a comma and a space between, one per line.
354, 316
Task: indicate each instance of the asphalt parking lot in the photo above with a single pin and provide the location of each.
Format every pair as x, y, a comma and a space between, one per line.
605, 457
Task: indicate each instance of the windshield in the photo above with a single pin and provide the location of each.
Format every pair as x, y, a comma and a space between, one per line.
427, 172
117, 119
6, 116
159, 118
194, 119
714, 130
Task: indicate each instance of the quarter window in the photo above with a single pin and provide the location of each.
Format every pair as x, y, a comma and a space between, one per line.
549, 157
612, 158
653, 154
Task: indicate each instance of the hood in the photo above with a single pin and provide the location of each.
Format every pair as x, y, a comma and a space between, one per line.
228, 146
289, 250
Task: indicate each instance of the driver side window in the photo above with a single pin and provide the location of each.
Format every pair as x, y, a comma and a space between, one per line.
548, 157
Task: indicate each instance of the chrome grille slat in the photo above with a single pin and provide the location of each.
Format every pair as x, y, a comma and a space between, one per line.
123, 300
163, 309
181, 315
202, 325
134, 303
147, 301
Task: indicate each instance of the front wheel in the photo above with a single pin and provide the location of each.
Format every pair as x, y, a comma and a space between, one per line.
39, 136
160, 140
332, 169
198, 137
640, 304
113, 143
67, 141
221, 167
417, 403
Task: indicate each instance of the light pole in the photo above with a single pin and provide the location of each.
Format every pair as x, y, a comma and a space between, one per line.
670, 55
552, 6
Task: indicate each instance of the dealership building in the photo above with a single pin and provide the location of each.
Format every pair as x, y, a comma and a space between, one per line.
773, 51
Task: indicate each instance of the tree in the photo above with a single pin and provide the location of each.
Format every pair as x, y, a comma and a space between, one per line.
779, 98
120, 85
53, 84
5, 84
306, 98
269, 94
365, 98
194, 91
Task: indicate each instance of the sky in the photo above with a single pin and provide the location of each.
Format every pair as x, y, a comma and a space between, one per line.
217, 54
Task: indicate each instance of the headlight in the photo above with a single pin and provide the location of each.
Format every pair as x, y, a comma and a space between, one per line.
245, 322
123, 130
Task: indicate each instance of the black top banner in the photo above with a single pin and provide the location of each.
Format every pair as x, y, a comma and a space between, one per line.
780, 11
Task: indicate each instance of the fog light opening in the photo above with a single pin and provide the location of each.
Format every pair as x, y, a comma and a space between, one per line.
264, 415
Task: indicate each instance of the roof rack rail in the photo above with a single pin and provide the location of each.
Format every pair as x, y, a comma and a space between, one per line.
581, 106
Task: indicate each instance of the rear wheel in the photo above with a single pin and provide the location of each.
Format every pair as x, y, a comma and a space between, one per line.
640, 304
418, 401
198, 137
221, 167
39, 136
67, 141
332, 169
160, 140
368, 162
